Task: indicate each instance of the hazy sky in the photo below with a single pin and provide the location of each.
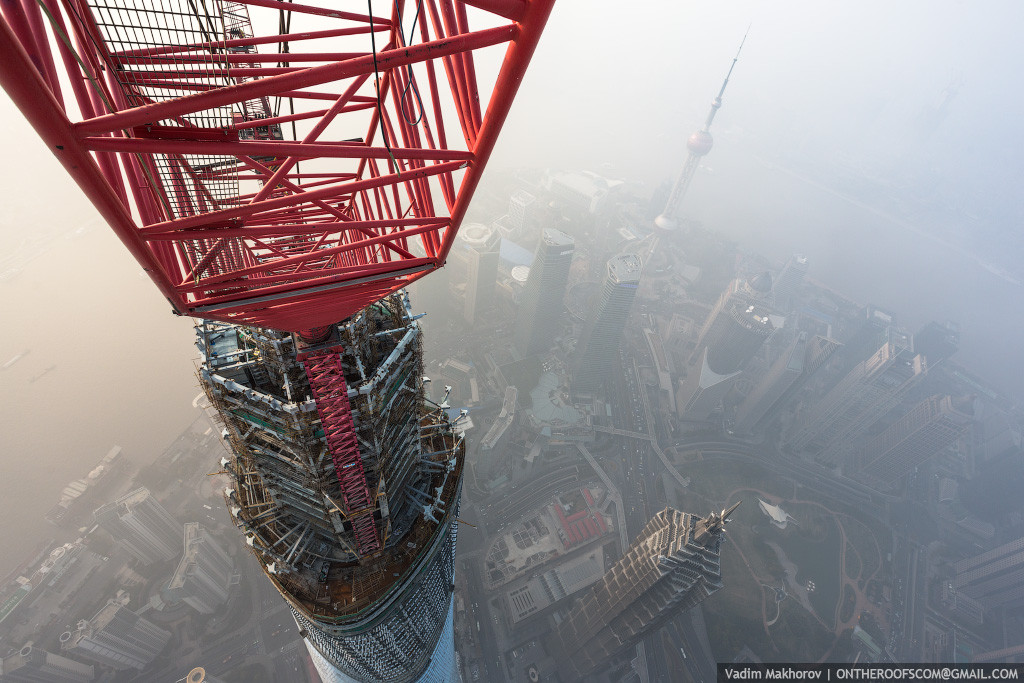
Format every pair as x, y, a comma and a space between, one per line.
614, 86
611, 84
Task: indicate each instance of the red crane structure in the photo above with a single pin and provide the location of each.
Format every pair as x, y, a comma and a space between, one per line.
277, 167
282, 170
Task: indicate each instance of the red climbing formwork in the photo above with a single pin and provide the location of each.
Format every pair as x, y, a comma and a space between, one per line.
272, 163
327, 380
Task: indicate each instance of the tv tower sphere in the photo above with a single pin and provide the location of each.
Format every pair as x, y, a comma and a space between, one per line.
700, 143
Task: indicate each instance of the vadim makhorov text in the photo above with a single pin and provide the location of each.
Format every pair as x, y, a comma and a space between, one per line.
870, 673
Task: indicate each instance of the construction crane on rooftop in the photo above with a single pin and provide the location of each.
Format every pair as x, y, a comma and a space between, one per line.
282, 171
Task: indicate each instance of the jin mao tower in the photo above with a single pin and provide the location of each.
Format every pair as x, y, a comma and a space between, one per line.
672, 566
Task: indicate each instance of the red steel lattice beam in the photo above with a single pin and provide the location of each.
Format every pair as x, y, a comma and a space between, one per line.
327, 380
282, 170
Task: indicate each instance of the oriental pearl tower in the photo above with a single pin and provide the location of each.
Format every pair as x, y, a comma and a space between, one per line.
698, 145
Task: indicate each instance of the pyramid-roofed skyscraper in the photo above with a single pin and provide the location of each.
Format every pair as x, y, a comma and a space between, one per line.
672, 566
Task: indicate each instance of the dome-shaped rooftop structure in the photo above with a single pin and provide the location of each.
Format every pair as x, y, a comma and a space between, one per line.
700, 143
761, 283
665, 223
476, 234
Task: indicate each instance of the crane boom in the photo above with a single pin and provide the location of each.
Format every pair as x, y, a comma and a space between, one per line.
272, 163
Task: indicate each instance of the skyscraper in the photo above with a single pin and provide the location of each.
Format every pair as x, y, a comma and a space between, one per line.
875, 386
733, 337
142, 526
31, 664
345, 482
798, 362
938, 341
482, 245
703, 390
540, 311
736, 335
116, 637
673, 565
755, 291
875, 329
786, 288
994, 578
931, 426
358, 537
608, 320
203, 577
522, 213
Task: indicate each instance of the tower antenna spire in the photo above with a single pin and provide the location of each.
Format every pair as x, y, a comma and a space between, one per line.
698, 145
717, 103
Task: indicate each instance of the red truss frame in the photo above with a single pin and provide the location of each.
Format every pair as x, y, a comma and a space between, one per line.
327, 380
283, 169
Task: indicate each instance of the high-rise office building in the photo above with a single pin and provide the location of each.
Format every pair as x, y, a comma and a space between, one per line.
142, 526
733, 337
994, 578
522, 213
540, 310
672, 566
359, 537
931, 426
481, 252
743, 293
31, 664
736, 335
607, 322
786, 287
116, 637
831, 426
203, 577
798, 362
937, 341
875, 328
701, 393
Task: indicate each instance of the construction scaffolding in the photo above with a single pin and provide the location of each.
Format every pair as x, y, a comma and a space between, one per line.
323, 482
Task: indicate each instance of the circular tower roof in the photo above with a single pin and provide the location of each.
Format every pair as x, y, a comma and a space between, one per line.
476, 234
761, 283
700, 143
665, 223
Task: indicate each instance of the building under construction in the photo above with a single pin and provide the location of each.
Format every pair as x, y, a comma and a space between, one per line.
282, 172
354, 527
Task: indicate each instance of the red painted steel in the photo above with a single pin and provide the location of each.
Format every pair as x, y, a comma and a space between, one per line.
327, 380
244, 213
262, 185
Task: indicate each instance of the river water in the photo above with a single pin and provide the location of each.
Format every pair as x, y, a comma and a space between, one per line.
106, 363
